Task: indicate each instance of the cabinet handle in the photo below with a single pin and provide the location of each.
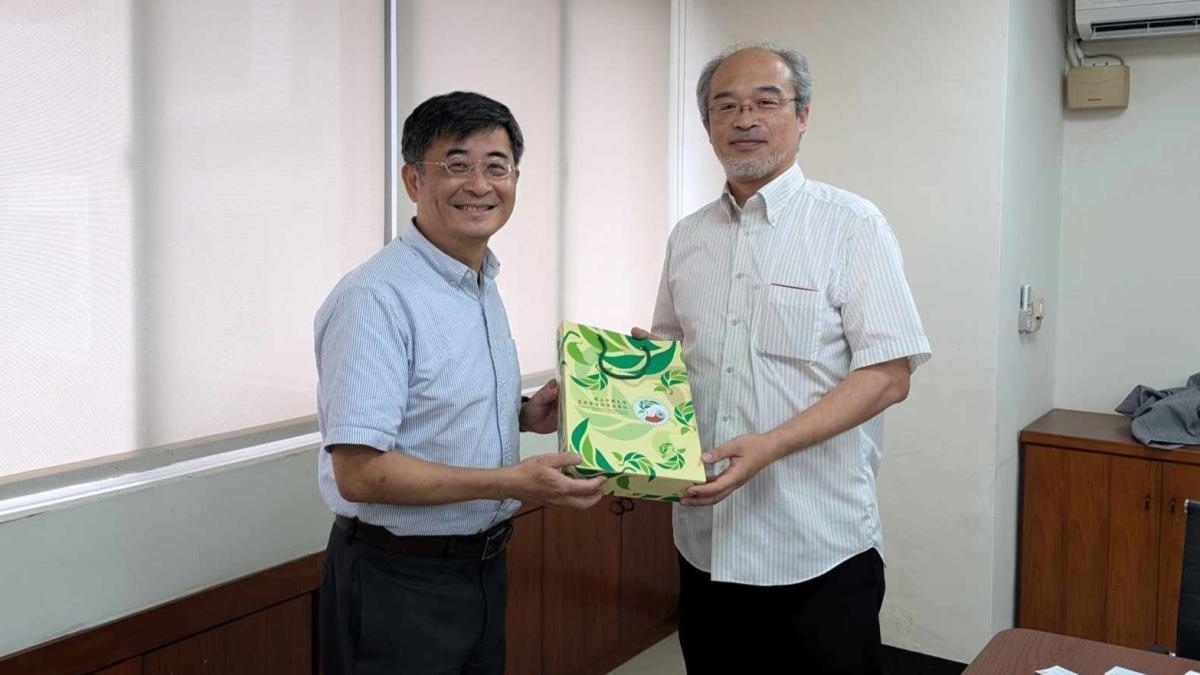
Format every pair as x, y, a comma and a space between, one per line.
1147, 502
617, 508
629, 504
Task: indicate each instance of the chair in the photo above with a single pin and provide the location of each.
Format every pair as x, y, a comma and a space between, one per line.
1187, 637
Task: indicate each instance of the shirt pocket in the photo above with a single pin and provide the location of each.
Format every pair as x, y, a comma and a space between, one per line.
789, 322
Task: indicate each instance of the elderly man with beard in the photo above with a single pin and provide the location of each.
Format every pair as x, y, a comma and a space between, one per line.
798, 330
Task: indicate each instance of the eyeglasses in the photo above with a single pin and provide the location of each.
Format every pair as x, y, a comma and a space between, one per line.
494, 168
763, 106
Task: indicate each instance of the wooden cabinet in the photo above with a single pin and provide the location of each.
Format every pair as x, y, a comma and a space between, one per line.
1179, 483
1101, 535
606, 586
274, 640
523, 651
582, 585
649, 569
130, 667
1132, 590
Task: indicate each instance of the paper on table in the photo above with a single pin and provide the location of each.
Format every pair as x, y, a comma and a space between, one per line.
1056, 670
1118, 670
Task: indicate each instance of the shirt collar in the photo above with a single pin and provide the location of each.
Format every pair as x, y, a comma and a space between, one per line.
452, 270
774, 194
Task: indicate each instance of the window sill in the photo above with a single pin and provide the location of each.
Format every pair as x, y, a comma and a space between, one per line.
29, 494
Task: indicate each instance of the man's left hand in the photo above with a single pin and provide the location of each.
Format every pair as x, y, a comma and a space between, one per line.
540, 413
747, 456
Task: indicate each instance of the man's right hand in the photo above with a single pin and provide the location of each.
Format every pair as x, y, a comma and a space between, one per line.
642, 334
540, 479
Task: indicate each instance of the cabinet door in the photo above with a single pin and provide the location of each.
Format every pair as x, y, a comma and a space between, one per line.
1180, 482
274, 641
1087, 534
1134, 505
581, 585
1042, 574
649, 568
524, 615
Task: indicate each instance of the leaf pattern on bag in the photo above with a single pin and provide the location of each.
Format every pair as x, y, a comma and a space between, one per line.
669, 379
684, 414
673, 458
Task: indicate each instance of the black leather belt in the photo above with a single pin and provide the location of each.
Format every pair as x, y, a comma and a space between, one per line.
487, 544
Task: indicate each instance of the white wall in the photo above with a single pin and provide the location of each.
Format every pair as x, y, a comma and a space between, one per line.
1028, 254
73, 568
82, 565
1131, 232
909, 113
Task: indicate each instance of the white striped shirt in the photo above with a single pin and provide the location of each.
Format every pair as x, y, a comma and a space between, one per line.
776, 303
414, 355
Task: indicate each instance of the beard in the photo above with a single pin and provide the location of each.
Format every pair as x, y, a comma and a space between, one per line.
754, 169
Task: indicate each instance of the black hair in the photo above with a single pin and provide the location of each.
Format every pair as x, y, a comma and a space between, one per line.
457, 115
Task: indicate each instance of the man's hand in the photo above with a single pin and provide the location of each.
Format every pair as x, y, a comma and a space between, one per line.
747, 455
540, 413
539, 479
642, 334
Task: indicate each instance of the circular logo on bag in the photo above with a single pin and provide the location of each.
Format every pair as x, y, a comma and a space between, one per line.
650, 410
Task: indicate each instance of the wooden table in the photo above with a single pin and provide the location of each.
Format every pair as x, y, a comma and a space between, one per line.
1021, 651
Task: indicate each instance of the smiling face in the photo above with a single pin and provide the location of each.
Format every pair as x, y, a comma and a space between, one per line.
755, 146
460, 214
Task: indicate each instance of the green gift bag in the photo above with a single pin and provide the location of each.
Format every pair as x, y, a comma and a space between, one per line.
625, 405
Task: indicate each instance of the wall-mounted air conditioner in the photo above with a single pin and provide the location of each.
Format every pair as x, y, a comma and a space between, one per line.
1113, 19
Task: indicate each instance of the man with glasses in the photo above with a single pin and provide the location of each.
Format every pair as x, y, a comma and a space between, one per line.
420, 410
798, 329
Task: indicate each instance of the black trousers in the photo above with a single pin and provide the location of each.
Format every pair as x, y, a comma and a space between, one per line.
383, 612
828, 625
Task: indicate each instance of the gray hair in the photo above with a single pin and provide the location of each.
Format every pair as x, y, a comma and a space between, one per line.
794, 60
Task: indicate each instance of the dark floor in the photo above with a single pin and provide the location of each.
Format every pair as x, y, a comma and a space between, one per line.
902, 662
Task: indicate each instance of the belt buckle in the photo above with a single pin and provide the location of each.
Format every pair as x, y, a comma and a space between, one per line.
494, 544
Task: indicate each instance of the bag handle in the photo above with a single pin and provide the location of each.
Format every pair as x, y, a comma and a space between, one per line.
606, 371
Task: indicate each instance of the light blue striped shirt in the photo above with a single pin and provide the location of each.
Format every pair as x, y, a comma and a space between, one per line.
414, 355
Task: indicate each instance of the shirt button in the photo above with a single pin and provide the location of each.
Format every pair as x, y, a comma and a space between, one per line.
729, 369
734, 322
739, 276
725, 418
